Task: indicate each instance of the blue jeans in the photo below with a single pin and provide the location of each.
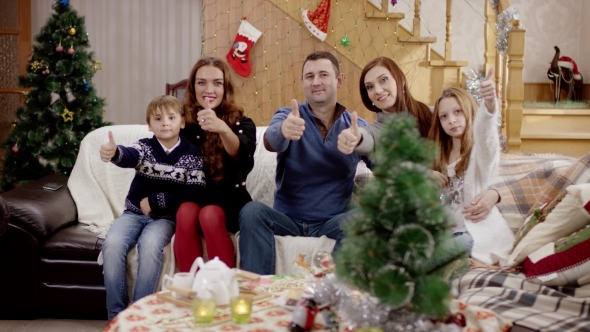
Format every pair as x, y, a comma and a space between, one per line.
259, 224
151, 236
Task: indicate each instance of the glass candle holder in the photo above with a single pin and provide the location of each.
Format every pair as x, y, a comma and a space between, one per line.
241, 309
204, 310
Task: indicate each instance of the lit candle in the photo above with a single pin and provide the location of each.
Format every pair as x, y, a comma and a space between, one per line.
241, 308
204, 310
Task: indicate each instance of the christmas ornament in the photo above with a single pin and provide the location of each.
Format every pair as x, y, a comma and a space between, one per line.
71, 31
64, 2
59, 48
36, 65
238, 56
29, 58
86, 86
46, 71
67, 115
14, 124
71, 50
322, 263
15, 147
393, 2
345, 41
317, 21
96, 66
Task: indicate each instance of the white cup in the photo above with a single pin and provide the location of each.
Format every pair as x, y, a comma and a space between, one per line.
180, 280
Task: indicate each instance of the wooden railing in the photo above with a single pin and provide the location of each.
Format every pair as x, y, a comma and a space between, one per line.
508, 73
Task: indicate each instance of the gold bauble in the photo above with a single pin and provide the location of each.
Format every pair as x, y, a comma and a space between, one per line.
71, 31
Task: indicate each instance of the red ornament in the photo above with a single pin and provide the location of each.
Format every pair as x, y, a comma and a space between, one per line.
15, 149
29, 58
59, 48
71, 51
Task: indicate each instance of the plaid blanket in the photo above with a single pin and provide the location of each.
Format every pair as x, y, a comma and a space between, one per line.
527, 182
524, 303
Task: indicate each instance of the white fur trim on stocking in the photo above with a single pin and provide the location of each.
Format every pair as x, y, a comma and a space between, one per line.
249, 31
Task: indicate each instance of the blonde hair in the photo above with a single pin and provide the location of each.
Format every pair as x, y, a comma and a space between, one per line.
164, 103
444, 141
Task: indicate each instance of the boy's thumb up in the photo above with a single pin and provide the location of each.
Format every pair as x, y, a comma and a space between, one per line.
111, 138
295, 107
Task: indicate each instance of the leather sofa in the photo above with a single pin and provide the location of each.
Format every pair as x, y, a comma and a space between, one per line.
48, 260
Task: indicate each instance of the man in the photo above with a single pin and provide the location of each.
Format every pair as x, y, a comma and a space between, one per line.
314, 180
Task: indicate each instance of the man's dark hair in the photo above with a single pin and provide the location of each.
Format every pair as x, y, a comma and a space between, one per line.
316, 55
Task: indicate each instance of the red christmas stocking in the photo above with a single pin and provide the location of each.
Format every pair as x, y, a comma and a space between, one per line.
239, 53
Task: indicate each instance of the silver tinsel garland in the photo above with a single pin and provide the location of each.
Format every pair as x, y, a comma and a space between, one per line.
472, 84
503, 25
472, 81
361, 310
494, 5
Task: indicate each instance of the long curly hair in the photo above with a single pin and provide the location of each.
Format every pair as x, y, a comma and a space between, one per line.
228, 111
404, 101
444, 141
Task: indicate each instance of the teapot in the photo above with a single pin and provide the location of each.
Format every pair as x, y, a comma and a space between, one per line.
214, 280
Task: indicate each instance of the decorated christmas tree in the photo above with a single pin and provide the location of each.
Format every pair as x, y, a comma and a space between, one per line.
61, 106
399, 247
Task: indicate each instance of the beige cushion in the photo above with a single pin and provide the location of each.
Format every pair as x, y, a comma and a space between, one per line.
568, 216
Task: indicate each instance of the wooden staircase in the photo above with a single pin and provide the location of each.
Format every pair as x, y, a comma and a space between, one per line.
564, 131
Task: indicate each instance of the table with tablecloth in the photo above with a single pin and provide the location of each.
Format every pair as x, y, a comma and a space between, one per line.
154, 314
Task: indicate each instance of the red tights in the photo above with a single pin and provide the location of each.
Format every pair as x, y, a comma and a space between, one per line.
190, 220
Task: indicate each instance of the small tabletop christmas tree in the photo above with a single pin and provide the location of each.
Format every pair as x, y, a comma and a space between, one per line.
399, 247
61, 106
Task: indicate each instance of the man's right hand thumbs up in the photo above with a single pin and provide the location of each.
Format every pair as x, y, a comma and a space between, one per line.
108, 150
349, 138
293, 126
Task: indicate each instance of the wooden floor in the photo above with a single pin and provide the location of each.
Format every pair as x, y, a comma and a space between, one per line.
52, 325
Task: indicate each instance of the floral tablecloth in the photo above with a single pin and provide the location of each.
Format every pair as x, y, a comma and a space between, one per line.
154, 314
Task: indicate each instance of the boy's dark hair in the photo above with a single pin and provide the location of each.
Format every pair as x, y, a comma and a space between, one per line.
316, 55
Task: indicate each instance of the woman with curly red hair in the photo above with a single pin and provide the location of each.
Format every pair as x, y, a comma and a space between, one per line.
227, 139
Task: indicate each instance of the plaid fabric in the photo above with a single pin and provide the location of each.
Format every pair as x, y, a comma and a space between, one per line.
524, 303
527, 182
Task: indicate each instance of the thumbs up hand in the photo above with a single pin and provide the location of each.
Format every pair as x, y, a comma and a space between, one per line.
293, 126
487, 89
108, 150
349, 138
208, 120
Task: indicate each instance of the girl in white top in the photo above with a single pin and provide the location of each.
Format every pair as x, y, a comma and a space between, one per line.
468, 155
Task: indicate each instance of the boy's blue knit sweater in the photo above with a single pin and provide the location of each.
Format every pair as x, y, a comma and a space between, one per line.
167, 180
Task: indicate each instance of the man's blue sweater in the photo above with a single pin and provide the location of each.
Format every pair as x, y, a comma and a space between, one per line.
314, 180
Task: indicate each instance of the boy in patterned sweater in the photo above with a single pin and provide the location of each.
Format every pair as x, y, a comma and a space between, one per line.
168, 172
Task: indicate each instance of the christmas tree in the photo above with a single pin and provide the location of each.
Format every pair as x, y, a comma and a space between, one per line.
399, 247
61, 106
